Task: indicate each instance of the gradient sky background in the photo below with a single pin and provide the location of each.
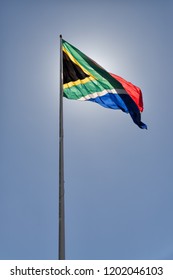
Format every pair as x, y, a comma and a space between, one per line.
118, 178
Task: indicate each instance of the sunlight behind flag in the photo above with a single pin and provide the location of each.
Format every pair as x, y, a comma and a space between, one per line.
85, 80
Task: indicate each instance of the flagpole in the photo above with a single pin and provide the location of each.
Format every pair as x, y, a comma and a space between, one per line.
61, 164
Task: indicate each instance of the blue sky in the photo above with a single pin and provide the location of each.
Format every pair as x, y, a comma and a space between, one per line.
118, 178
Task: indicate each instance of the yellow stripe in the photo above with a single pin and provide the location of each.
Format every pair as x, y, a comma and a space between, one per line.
76, 62
78, 82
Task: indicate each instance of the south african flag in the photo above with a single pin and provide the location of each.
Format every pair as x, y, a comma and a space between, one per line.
84, 79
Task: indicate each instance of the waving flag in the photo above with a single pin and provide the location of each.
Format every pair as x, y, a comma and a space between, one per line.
84, 79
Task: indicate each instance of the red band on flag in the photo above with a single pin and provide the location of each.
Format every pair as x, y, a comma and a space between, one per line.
134, 91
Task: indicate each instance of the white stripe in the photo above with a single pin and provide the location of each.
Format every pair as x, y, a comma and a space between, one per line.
101, 93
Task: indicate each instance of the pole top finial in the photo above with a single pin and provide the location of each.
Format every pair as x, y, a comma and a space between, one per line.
60, 35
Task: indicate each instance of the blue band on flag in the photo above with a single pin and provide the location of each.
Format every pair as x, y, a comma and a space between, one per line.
123, 102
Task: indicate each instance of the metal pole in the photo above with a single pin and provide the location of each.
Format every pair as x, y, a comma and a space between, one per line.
61, 164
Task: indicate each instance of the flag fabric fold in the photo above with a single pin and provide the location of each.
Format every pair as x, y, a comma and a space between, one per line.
84, 79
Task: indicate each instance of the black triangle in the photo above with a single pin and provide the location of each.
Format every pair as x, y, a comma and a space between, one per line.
71, 71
